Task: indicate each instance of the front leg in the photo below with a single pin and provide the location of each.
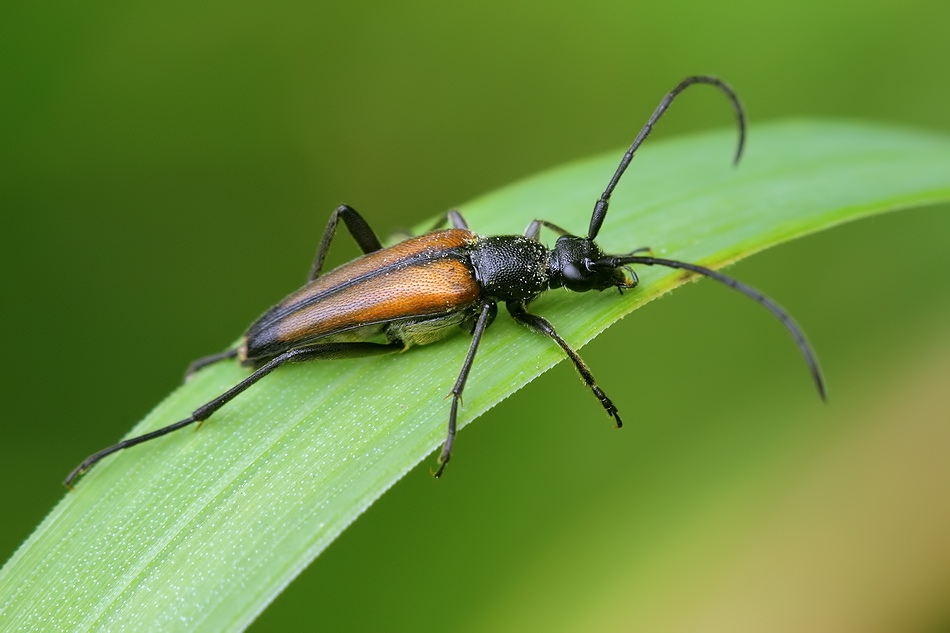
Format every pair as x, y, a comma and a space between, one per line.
542, 325
534, 229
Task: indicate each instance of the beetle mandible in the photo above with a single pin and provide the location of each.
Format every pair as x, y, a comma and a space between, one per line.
426, 287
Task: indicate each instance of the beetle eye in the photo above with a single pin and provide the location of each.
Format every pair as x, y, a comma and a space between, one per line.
573, 274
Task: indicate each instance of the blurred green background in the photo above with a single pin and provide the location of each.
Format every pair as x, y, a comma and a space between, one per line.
167, 170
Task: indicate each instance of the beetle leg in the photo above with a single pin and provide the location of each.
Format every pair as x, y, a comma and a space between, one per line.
456, 219
542, 325
489, 309
358, 228
204, 361
533, 232
534, 229
202, 413
453, 218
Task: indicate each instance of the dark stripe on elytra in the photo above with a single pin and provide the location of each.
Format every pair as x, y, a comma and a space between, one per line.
274, 346
279, 312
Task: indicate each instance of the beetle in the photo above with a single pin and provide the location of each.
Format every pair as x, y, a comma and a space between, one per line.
424, 288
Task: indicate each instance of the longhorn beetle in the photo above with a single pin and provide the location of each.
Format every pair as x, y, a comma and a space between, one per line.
426, 287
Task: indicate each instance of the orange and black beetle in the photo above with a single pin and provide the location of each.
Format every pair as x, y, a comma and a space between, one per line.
427, 287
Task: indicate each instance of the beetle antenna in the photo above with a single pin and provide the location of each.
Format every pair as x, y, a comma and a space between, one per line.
811, 359
600, 209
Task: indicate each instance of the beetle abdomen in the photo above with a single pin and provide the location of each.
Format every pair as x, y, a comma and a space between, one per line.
426, 276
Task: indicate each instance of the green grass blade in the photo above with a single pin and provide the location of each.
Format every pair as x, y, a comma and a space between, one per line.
199, 531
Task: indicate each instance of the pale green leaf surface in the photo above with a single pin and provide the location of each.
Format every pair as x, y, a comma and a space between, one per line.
199, 531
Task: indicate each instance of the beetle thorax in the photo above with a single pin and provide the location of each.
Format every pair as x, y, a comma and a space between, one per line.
511, 268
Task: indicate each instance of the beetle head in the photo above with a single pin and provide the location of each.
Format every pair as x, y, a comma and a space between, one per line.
577, 264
